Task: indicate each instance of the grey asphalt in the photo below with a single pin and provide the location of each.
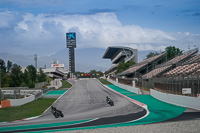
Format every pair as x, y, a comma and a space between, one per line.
85, 100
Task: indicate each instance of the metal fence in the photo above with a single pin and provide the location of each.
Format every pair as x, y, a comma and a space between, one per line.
20, 92
113, 78
41, 85
176, 85
126, 81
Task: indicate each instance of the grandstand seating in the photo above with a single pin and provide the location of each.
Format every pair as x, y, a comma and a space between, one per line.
142, 64
156, 72
168, 65
179, 58
184, 70
193, 60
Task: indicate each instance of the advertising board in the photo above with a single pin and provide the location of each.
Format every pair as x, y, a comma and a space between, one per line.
57, 65
186, 91
71, 39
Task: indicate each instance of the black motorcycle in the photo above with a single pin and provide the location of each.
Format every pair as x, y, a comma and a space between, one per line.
109, 101
57, 113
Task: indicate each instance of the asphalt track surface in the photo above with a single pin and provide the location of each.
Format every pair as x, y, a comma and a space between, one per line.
86, 100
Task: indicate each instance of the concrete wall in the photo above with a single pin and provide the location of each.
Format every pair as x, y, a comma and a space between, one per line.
185, 101
126, 87
56, 83
22, 101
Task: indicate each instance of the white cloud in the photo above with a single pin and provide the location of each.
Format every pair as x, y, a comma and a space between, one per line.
187, 33
45, 33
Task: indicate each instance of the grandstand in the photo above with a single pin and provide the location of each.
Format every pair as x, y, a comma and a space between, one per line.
167, 66
170, 76
193, 60
184, 70
119, 54
145, 66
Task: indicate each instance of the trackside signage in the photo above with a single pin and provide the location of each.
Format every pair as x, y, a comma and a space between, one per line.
22, 92
71, 39
8, 92
186, 91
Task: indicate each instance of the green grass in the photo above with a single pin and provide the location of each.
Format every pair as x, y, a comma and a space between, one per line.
65, 85
104, 81
32, 109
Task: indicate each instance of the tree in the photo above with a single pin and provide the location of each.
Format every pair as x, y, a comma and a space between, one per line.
32, 73
26, 78
16, 76
5, 80
93, 71
151, 54
123, 66
2, 66
9, 65
41, 76
172, 51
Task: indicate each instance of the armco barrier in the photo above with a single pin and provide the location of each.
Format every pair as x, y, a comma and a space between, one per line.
22, 101
126, 87
5, 103
185, 101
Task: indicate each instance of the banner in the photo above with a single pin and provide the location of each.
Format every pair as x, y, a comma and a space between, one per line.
186, 91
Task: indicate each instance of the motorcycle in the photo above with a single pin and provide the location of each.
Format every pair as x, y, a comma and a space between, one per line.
57, 113
109, 101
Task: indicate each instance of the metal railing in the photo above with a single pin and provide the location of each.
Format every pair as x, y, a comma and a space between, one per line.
175, 85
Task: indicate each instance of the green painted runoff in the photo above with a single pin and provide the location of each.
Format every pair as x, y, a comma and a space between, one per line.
56, 92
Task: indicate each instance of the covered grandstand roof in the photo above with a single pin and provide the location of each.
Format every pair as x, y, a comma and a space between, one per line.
116, 53
144, 64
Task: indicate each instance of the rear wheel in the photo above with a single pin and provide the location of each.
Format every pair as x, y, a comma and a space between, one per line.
61, 114
111, 103
56, 115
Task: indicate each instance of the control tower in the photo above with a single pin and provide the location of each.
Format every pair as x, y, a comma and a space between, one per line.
71, 44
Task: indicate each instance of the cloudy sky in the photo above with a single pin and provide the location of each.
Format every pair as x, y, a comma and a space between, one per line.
29, 27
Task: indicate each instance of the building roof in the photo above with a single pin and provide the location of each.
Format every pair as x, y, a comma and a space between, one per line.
115, 54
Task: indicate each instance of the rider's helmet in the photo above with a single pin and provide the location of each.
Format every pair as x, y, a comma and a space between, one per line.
106, 96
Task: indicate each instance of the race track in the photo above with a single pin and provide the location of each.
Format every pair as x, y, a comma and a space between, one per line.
86, 100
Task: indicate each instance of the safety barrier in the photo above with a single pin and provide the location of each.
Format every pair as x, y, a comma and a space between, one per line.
126, 87
22, 101
56, 83
5, 103
185, 101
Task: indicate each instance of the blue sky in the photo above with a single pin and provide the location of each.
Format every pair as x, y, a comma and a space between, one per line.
39, 26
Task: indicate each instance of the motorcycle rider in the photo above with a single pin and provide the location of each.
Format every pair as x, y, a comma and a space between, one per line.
107, 99
57, 113
53, 109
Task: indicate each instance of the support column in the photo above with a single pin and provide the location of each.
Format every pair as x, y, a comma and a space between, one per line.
71, 61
